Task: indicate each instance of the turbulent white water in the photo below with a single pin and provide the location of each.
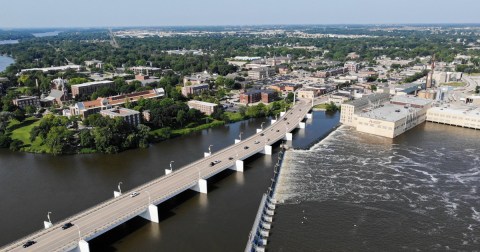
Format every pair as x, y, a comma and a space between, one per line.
430, 175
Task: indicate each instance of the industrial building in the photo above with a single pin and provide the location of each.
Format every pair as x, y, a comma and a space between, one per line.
356, 106
392, 119
466, 116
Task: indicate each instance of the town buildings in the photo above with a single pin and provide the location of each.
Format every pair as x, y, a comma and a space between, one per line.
261, 73
255, 95
87, 108
194, 89
352, 66
311, 92
130, 116
204, 107
356, 106
90, 87
145, 70
24, 101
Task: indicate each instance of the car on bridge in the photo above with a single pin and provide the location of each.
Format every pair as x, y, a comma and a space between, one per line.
215, 162
134, 194
257, 142
29, 243
230, 158
246, 147
67, 225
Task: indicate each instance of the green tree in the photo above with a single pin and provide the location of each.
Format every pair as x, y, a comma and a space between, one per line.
58, 139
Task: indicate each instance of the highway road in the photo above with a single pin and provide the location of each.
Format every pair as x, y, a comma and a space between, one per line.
111, 213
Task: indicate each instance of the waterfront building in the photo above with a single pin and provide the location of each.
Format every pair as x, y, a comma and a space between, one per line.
356, 106
129, 115
53, 69
204, 107
466, 116
311, 92
90, 87
392, 119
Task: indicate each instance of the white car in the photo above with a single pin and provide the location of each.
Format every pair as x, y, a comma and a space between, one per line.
133, 194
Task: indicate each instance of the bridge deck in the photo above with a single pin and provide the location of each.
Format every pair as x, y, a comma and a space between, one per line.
111, 213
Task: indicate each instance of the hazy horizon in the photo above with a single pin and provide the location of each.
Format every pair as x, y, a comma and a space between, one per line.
149, 13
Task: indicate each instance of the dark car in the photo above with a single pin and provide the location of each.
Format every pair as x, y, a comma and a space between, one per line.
67, 225
212, 163
262, 134
278, 130
246, 147
29, 243
284, 118
230, 158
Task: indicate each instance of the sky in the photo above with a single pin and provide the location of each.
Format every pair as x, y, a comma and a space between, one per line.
115, 13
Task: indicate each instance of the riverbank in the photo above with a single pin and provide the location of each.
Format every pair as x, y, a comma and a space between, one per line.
20, 131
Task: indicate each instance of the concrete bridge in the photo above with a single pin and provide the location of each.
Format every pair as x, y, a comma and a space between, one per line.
105, 216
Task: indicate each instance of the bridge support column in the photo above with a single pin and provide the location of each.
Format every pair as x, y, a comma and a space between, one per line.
207, 154
168, 171
201, 186
82, 247
116, 194
267, 150
288, 137
151, 214
238, 166
47, 224
301, 125
259, 130
309, 116
273, 121
282, 113
237, 141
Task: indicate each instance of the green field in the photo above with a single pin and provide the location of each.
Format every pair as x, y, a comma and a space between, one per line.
234, 117
454, 84
21, 131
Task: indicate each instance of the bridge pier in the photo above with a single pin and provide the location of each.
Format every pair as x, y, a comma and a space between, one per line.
282, 113
237, 141
267, 150
82, 247
168, 171
259, 130
151, 214
238, 166
273, 121
309, 116
301, 125
207, 154
288, 137
201, 186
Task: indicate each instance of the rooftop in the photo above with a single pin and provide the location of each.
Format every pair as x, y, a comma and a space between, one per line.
202, 103
389, 113
411, 100
119, 112
457, 109
92, 83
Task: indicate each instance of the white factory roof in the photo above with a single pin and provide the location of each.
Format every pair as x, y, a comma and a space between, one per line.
411, 100
389, 113
202, 103
466, 110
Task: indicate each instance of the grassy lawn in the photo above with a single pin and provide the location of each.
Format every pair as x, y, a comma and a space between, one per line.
454, 84
21, 131
234, 117
321, 106
180, 132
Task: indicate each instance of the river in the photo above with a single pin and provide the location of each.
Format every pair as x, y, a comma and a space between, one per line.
33, 185
352, 191
5, 62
